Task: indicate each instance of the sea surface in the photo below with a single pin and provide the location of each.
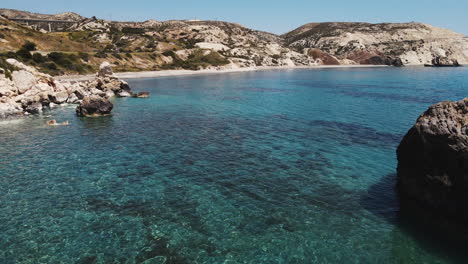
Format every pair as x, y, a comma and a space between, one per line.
281, 166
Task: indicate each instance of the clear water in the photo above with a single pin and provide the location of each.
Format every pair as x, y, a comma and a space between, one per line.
290, 166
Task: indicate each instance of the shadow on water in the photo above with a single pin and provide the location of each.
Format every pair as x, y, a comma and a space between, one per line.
434, 234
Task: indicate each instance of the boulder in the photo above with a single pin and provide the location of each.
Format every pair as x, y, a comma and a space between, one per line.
105, 70
433, 160
6, 86
34, 108
396, 62
110, 94
444, 62
124, 94
10, 108
59, 98
94, 106
80, 93
23, 80
72, 99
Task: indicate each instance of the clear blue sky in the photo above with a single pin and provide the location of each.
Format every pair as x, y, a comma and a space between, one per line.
277, 16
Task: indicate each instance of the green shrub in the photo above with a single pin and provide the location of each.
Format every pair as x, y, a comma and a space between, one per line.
129, 30
29, 46
129, 55
8, 75
84, 56
2, 36
101, 55
169, 53
117, 56
38, 58
24, 54
196, 60
7, 67
51, 66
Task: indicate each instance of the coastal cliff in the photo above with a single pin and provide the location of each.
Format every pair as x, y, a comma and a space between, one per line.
364, 43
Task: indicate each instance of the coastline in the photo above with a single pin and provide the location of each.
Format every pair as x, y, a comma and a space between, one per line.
169, 73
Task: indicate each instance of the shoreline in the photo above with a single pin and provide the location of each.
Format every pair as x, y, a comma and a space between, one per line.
175, 73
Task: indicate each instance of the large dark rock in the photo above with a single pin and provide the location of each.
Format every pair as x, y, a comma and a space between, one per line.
433, 160
94, 106
444, 62
384, 60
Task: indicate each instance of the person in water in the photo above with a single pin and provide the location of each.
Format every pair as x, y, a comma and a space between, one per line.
54, 123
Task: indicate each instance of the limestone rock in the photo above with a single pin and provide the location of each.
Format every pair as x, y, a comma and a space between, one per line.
6, 86
59, 98
433, 160
34, 108
10, 108
72, 99
105, 70
94, 106
124, 94
23, 80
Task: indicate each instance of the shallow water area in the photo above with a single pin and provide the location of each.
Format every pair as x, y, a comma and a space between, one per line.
281, 166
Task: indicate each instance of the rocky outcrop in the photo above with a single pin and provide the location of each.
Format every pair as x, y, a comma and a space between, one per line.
444, 62
433, 160
412, 43
94, 106
30, 92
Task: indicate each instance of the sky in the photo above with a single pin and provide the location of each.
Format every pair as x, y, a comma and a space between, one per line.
276, 16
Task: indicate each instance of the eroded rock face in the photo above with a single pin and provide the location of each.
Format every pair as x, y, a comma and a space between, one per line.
94, 106
433, 160
445, 62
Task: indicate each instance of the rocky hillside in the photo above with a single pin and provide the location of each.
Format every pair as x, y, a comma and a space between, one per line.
152, 45
79, 45
18, 14
364, 43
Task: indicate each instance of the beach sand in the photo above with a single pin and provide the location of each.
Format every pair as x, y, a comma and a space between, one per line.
165, 73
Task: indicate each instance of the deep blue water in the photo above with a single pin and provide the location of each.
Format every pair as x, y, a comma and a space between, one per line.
287, 166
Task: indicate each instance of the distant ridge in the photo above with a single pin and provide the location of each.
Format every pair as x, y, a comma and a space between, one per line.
18, 14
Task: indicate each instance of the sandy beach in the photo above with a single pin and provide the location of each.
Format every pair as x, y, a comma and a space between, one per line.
166, 73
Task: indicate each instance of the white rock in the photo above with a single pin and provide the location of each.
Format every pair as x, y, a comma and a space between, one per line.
110, 93
10, 108
72, 99
23, 80
59, 98
43, 87
212, 46
124, 94
6, 86
105, 70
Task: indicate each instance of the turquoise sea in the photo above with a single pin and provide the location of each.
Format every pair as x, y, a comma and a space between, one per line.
283, 166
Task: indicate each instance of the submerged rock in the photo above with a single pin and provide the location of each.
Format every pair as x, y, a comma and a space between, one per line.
433, 160
94, 106
141, 95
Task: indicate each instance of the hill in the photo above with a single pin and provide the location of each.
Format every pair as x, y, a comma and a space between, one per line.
413, 43
194, 44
